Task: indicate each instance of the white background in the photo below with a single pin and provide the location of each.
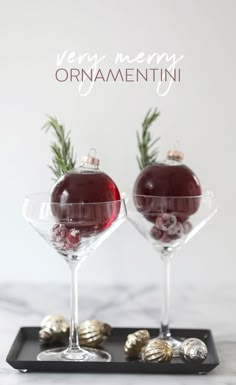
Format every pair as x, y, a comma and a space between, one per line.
200, 112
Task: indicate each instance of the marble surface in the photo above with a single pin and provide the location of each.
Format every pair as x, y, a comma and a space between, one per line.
193, 307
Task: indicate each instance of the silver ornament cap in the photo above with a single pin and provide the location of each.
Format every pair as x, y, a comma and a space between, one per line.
90, 159
193, 350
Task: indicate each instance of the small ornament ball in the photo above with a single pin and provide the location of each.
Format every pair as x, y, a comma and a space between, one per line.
54, 328
93, 333
157, 351
135, 342
193, 350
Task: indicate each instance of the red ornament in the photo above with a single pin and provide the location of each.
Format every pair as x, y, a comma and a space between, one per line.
167, 234
86, 186
170, 179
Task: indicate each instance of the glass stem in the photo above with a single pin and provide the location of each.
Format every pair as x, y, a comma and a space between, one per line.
74, 321
164, 329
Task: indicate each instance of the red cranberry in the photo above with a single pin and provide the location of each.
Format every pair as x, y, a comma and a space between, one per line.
73, 237
156, 233
166, 238
181, 217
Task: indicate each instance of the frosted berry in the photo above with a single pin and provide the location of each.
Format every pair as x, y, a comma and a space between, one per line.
156, 233
59, 232
187, 227
66, 246
176, 231
73, 237
166, 238
165, 221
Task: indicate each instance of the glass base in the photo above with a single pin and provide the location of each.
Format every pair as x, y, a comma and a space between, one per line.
66, 354
173, 342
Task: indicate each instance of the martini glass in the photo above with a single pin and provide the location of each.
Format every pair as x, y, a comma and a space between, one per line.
74, 230
168, 223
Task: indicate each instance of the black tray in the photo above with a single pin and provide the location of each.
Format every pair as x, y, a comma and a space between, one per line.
23, 355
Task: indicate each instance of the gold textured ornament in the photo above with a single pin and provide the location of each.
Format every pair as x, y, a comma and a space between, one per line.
157, 351
135, 342
54, 328
93, 333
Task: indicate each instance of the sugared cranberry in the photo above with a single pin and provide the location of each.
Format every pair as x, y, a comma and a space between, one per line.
59, 232
176, 231
166, 238
187, 227
165, 221
66, 246
156, 233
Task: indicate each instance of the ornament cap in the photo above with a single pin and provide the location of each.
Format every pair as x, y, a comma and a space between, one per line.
90, 159
175, 155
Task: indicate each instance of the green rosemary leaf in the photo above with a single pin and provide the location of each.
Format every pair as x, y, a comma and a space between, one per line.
145, 144
63, 159
153, 143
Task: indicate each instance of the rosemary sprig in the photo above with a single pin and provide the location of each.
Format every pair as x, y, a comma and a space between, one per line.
148, 153
63, 159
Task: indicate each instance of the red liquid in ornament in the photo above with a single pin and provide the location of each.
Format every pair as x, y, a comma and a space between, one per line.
86, 187
162, 180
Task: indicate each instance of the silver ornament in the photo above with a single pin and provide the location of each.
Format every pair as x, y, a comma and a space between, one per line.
54, 328
193, 350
